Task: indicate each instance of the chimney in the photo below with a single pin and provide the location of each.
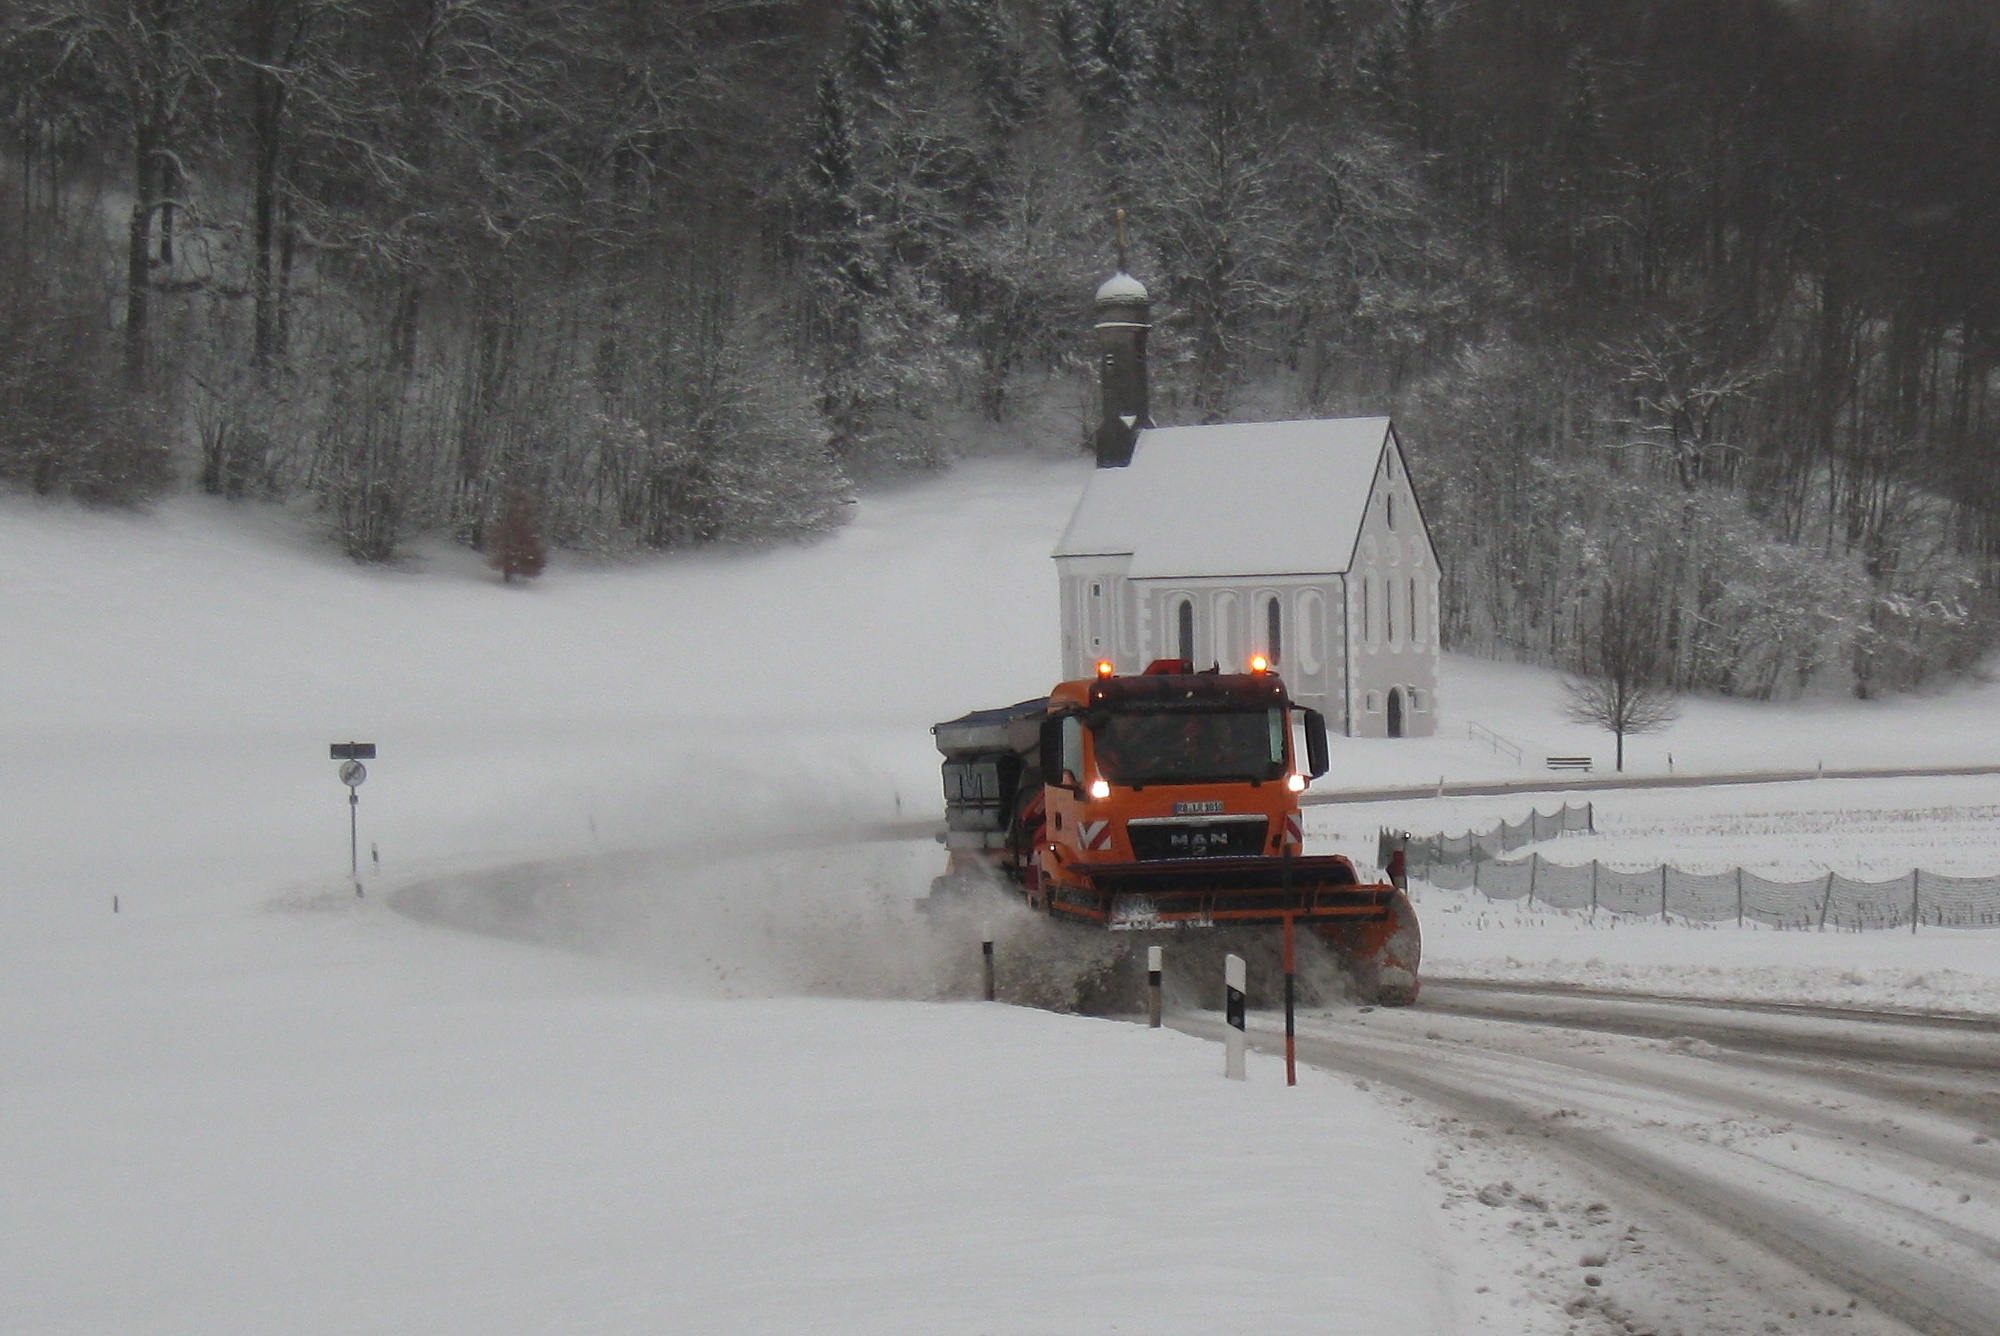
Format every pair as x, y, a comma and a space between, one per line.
1123, 319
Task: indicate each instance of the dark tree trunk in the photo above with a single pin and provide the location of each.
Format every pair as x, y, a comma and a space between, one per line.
138, 256
264, 228
267, 117
281, 342
170, 184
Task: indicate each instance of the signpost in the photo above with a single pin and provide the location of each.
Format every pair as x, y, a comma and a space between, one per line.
353, 774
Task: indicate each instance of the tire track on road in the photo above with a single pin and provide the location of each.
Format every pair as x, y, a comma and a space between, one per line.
1959, 1044
1922, 1295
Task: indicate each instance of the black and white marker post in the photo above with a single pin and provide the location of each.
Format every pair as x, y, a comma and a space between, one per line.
1291, 1041
1153, 986
1235, 981
353, 773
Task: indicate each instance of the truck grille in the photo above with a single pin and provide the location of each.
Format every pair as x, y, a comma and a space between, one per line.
1235, 837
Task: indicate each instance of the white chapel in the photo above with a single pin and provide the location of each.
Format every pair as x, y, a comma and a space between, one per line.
1302, 541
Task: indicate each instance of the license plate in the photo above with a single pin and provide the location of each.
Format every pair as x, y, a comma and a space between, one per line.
1198, 809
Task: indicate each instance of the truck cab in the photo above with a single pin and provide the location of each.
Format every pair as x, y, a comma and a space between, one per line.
1169, 766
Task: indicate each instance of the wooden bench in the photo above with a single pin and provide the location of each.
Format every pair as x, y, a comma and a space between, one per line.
1569, 763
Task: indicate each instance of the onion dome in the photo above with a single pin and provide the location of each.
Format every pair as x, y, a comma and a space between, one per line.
1122, 289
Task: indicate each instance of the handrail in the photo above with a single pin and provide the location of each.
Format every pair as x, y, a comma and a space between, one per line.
1479, 732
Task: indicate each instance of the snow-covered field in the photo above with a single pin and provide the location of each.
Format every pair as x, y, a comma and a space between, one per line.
250, 1101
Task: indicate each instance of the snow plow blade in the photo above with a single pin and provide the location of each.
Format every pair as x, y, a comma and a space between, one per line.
1219, 892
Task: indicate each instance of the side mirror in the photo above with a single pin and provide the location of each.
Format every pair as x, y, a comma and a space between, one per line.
1052, 753
1062, 752
1317, 762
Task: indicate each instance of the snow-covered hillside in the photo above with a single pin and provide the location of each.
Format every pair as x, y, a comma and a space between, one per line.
248, 1101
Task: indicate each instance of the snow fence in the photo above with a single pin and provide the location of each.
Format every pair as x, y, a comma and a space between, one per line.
1669, 892
1505, 838
1475, 861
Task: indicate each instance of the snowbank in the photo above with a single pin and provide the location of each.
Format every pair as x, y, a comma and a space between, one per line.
320, 1117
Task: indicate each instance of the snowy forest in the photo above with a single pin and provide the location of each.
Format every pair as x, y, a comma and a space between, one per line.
1689, 310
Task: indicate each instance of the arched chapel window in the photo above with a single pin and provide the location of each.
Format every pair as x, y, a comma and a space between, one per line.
1310, 638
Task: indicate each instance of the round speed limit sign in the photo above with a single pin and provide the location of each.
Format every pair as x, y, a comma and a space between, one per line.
352, 773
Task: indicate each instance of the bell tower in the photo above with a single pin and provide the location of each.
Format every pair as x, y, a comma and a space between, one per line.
1124, 317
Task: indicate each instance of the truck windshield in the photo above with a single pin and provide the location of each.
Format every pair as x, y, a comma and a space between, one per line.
1190, 747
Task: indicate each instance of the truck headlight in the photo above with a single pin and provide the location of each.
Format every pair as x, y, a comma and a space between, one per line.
1099, 789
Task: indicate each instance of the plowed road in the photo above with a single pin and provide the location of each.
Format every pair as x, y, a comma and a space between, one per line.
1786, 1168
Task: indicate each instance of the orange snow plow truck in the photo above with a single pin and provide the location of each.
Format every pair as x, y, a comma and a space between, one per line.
1164, 800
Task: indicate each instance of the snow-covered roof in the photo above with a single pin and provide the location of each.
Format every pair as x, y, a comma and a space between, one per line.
1252, 498
1122, 287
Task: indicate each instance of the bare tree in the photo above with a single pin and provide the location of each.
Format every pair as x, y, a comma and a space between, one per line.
1621, 707
1621, 682
282, 50
148, 61
67, 425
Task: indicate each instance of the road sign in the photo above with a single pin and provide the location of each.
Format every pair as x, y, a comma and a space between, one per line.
352, 773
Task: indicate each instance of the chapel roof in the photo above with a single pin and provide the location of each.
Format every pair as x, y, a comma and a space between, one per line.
1237, 499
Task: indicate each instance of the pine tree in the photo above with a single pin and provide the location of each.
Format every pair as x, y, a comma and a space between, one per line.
517, 538
883, 31
829, 219
839, 273
1000, 72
